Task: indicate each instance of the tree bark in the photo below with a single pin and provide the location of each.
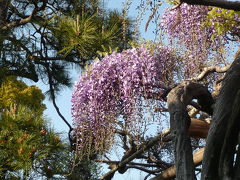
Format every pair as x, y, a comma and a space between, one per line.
3, 11
237, 162
232, 5
198, 128
179, 124
178, 99
226, 164
224, 130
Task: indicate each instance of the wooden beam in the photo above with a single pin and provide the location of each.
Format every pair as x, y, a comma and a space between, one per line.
198, 128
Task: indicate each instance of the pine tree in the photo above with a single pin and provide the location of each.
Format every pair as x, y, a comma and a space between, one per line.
42, 37
28, 146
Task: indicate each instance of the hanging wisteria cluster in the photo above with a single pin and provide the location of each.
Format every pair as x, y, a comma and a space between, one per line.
186, 24
111, 88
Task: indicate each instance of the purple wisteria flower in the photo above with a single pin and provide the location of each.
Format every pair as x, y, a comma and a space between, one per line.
186, 25
112, 87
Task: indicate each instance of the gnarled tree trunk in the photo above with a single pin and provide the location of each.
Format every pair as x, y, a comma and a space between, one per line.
178, 99
222, 140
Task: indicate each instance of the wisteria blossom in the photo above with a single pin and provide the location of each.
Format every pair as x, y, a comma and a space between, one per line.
111, 88
186, 24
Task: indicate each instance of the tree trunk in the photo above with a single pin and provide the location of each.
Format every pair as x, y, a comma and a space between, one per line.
222, 138
179, 124
178, 99
3, 11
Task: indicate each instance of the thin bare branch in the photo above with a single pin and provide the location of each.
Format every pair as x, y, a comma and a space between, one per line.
151, 16
19, 22
131, 163
144, 169
55, 104
142, 149
170, 173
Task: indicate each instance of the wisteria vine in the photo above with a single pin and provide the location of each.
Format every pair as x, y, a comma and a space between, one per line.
111, 87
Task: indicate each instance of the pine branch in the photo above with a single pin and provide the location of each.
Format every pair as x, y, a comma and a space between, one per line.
19, 22
23, 73
24, 20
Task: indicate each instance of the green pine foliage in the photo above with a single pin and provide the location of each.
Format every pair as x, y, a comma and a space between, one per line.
88, 34
24, 134
60, 35
24, 139
29, 148
13, 91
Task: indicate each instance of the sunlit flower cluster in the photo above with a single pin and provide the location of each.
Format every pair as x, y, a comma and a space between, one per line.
186, 24
110, 88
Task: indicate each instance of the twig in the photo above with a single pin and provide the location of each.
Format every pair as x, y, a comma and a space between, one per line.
145, 170
55, 104
131, 163
141, 150
170, 173
20, 22
151, 16
176, 6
